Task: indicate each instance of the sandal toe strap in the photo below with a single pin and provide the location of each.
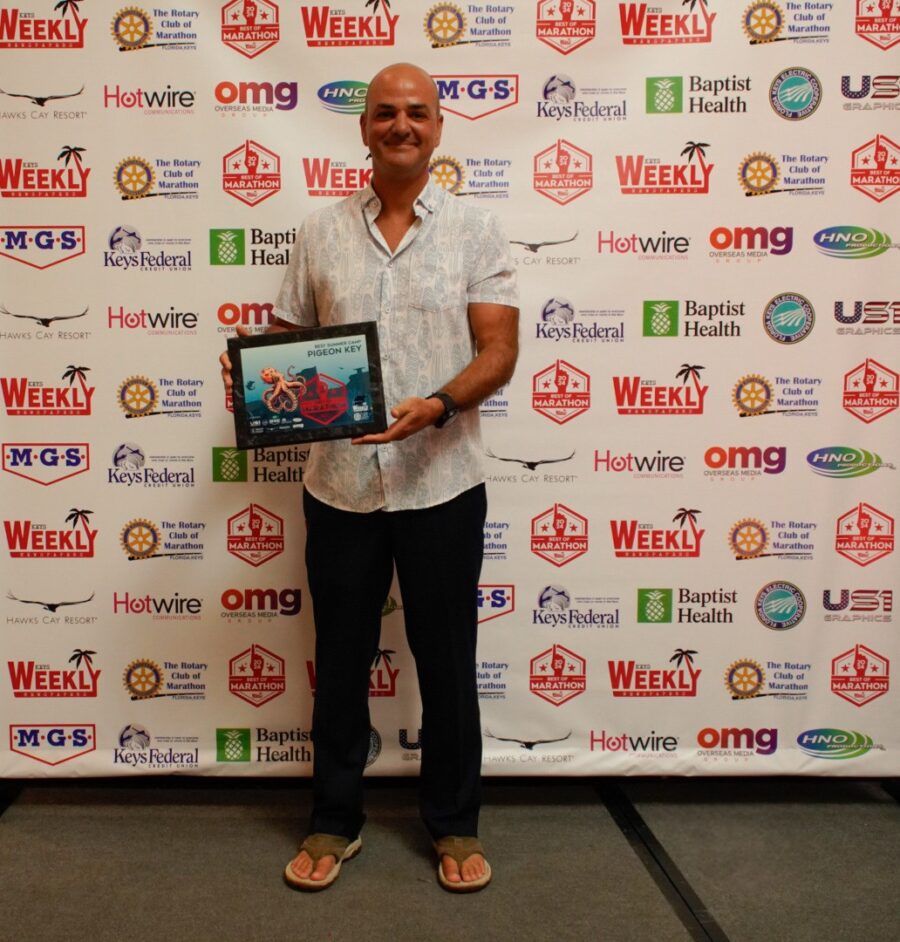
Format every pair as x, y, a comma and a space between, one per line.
458, 848
325, 845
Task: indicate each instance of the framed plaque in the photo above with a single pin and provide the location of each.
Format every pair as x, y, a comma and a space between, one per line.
308, 385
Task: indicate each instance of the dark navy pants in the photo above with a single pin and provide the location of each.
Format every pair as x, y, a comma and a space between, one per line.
350, 559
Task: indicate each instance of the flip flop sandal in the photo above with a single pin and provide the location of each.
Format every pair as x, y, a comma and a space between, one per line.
460, 849
319, 846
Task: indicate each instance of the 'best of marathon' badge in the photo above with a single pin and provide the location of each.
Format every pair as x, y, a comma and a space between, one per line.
559, 535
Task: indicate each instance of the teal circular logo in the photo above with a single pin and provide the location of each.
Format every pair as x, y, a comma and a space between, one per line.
788, 318
795, 93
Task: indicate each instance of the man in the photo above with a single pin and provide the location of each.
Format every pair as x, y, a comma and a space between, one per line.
435, 275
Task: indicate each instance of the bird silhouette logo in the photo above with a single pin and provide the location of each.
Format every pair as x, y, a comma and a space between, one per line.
41, 100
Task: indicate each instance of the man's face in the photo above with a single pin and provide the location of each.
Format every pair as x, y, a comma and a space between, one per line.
401, 125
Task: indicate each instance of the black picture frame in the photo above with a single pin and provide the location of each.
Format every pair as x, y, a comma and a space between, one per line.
287, 392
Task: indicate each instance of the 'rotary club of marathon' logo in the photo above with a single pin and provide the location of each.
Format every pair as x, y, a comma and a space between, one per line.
557, 675
860, 675
566, 25
563, 172
559, 535
875, 168
250, 26
864, 534
143, 679
759, 174
251, 173
132, 28
871, 390
744, 679
561, 391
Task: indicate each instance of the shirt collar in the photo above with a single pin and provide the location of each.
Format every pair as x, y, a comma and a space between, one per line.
427, 201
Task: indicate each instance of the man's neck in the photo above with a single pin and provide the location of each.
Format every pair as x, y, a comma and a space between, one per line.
398, 196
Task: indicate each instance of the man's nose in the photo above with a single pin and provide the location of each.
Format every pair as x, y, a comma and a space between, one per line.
401, 123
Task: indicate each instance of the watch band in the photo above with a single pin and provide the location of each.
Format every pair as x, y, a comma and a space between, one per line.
450, 408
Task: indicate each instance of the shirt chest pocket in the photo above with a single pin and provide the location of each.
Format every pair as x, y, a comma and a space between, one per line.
437, 280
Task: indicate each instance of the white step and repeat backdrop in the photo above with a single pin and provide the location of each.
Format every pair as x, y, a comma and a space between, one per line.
690, 559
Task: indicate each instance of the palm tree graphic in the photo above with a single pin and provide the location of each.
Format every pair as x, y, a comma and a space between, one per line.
687, 515
689, 371
66, 6
68, 152
76, 372
698, 149
376, 3
682, 655
383, 654
79, 655
77, 516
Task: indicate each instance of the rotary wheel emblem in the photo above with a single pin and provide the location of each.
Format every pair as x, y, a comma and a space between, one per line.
447, 172
444, 24
758, 174
744, 679
140, 538
134, 178
752, 395
138, 396
748, 538
131, 28
763, 22
143, 679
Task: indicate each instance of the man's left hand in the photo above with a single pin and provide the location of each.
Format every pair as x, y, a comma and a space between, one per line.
412, 415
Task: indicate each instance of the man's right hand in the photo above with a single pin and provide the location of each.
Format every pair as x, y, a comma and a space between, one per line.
225, 360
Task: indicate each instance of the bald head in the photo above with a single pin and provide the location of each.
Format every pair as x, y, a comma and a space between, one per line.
411, 79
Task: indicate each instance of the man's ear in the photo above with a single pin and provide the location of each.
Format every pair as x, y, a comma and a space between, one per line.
440, 125
362, 129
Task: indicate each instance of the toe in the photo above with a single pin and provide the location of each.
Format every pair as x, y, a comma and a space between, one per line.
451, 869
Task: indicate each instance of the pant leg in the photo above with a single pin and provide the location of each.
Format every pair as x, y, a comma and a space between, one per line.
438, 552
349, 564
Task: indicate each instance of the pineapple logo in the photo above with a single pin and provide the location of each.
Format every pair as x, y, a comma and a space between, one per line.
660, 318
654, 606
227, 247
232, 745
665, 94
229, 465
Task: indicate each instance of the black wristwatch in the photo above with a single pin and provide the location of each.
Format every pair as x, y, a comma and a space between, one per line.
451, 409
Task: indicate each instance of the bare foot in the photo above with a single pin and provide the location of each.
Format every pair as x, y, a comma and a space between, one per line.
302, 866
472, 869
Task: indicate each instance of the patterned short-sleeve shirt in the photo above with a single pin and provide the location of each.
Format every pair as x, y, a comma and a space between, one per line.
341, 271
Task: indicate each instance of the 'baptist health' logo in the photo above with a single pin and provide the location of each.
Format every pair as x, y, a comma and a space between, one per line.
227, 247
